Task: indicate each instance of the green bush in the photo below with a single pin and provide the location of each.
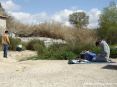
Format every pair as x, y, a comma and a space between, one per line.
54, 52
31, 44
24, 45
57, 55
39, 48
13, 43
59, 51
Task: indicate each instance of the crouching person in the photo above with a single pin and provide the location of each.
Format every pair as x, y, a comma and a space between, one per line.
105, 51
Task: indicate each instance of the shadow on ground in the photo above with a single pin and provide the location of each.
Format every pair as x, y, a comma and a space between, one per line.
113, 67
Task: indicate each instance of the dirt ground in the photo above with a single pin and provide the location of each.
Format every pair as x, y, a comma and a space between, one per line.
54, 73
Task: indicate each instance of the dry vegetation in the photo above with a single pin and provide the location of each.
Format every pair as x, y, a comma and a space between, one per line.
52, 30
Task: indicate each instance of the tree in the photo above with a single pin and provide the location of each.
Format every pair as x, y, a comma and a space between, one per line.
108, 23
79, 19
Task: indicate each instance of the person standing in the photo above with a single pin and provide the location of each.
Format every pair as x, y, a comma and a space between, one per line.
105, 51
5, 43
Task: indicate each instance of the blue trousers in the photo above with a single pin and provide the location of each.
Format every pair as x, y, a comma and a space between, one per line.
5, 50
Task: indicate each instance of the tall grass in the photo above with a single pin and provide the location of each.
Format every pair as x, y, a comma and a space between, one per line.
52, 30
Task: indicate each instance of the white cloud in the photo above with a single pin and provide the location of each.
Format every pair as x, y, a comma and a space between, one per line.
93, 17
9, 5
30, 18
61, 16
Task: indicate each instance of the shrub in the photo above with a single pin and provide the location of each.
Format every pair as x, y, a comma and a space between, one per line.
39, 48
13, 43
54, 52
57, 55
24, 45
33, 43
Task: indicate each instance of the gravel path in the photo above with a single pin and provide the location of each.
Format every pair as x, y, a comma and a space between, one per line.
54, 73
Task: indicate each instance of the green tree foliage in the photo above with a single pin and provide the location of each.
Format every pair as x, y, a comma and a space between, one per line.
108, 23
79, 19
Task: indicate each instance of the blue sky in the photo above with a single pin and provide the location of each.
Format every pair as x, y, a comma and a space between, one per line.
51, 6
37, 11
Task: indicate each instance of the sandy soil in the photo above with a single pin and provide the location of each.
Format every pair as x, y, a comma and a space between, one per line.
54, 73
